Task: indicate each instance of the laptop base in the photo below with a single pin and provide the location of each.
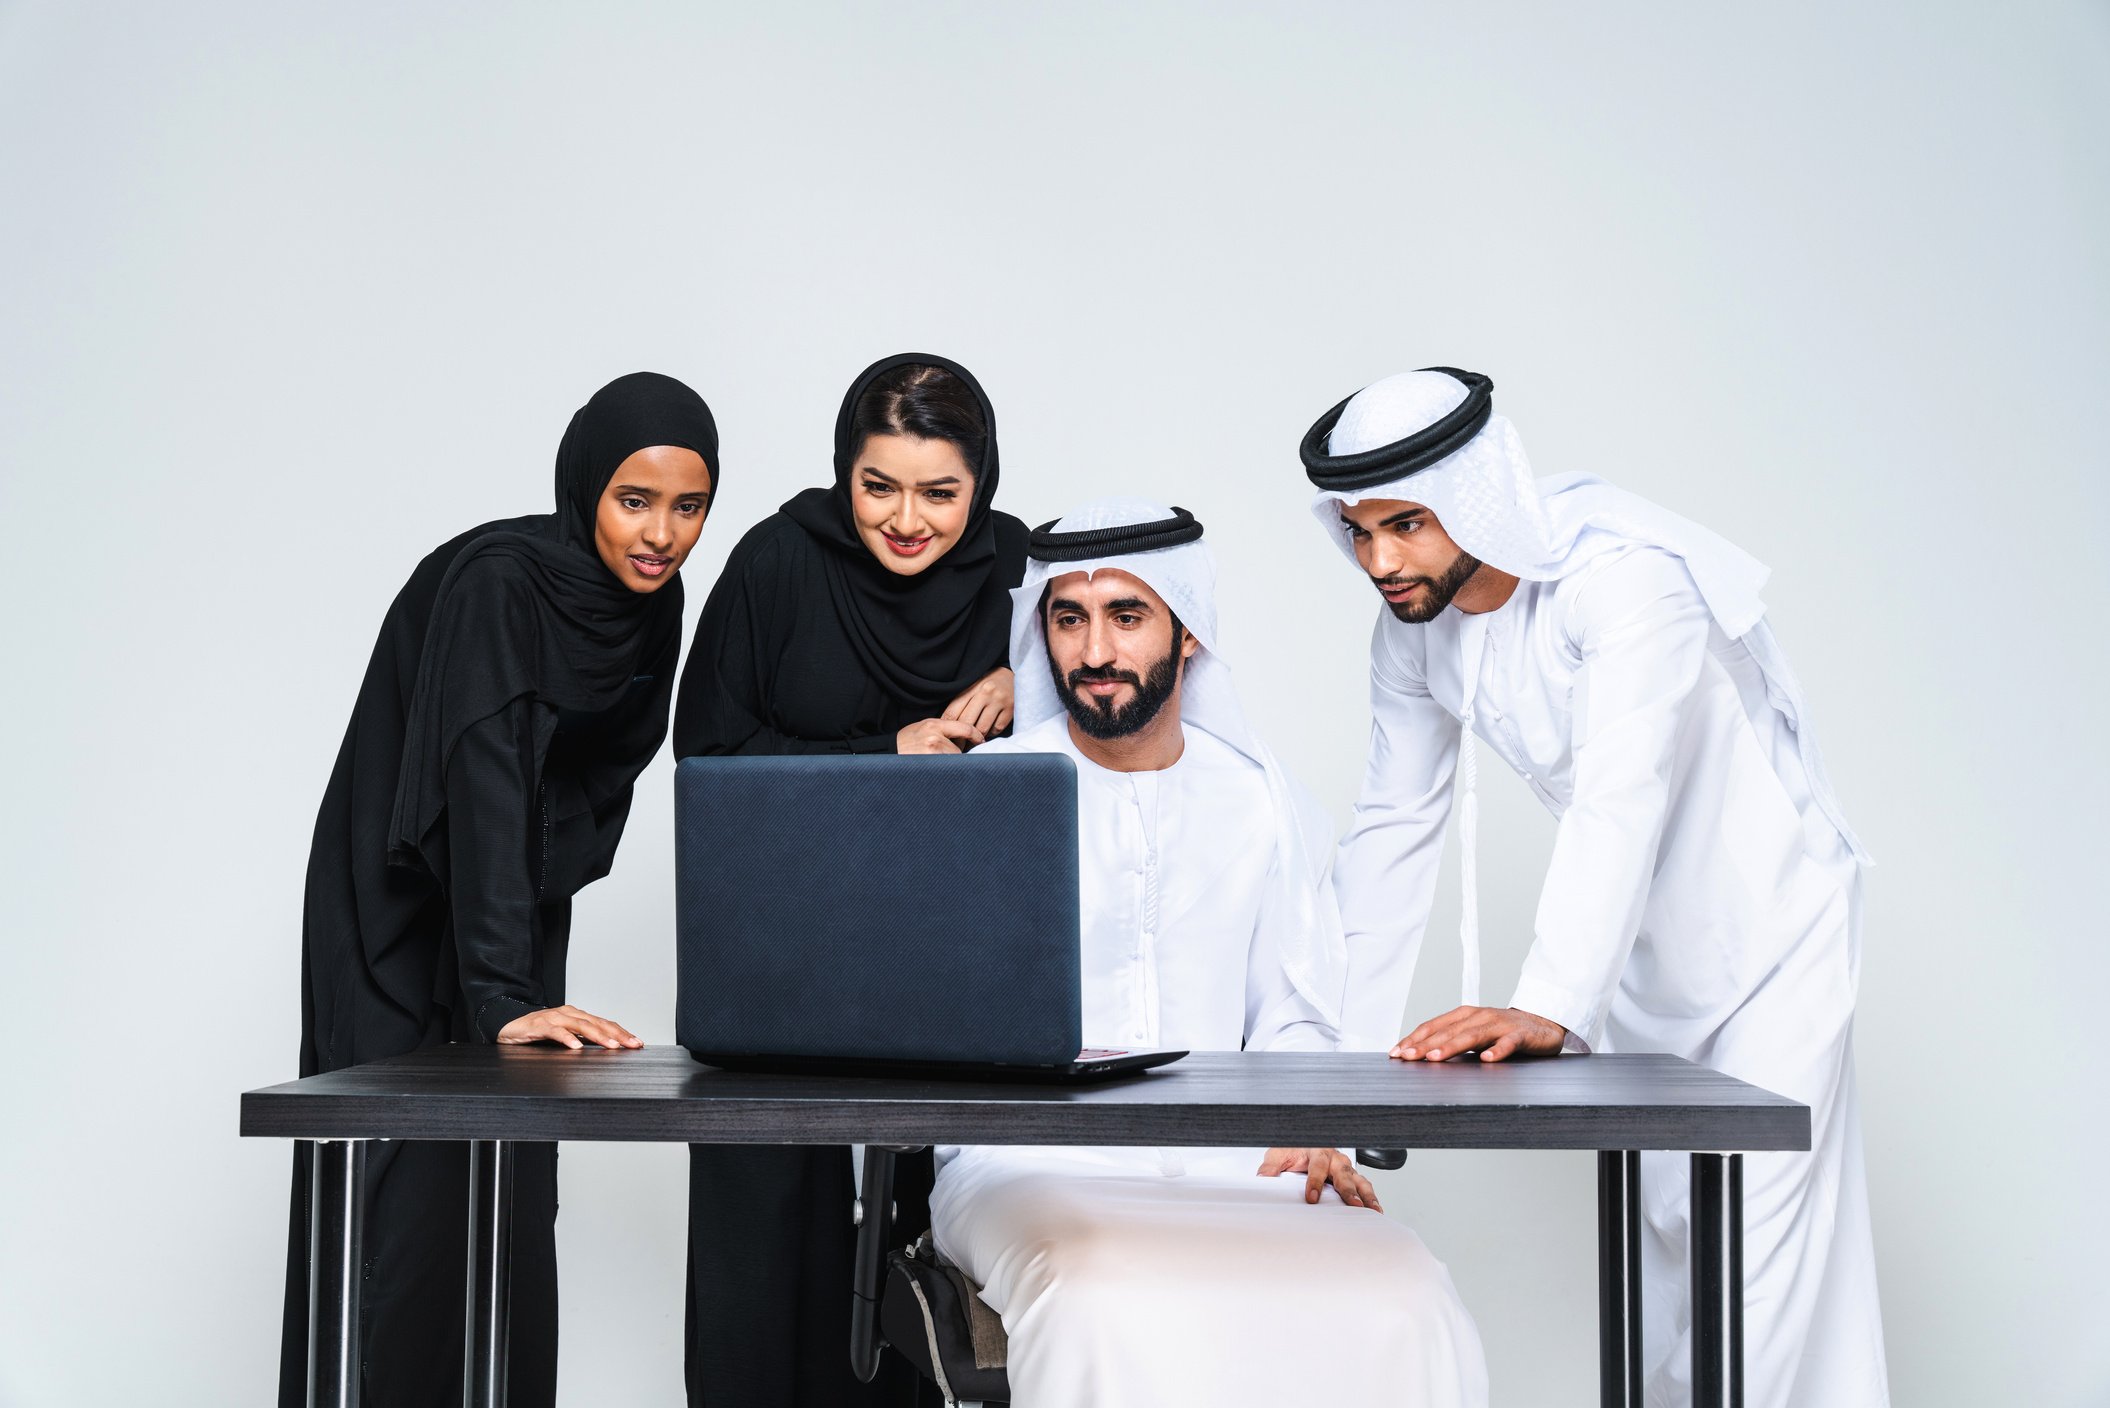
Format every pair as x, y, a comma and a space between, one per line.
1088, 1068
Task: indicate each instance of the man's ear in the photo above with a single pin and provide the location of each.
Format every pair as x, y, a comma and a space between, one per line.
1189, 643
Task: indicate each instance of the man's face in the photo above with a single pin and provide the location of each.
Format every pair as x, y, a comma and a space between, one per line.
1412, 562
1115, 650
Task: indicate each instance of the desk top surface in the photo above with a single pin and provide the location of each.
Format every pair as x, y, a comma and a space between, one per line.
1343, 1099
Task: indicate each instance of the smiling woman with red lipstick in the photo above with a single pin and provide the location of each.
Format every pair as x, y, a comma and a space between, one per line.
519, 686
871, 616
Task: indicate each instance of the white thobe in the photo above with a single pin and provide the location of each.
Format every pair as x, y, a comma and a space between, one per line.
1177, 1276
1699, 902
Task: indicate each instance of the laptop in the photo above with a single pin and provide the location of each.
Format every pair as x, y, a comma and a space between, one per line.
881, 915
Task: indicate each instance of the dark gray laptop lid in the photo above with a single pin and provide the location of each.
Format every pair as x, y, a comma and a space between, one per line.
878, 908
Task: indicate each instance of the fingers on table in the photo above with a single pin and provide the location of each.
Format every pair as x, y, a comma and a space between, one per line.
1467, 1034
574, 1024
1415, 1044
1466, 1029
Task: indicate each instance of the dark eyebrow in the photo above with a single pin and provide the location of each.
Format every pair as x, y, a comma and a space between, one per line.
1402, 516
641, 492
1126, 603
881, 474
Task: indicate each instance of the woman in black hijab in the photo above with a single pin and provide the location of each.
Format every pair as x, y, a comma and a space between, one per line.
872, 616
519, 686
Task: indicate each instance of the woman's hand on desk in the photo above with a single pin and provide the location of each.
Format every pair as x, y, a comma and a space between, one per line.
985, 704
1494, 1032
567, 1026
1321, 1167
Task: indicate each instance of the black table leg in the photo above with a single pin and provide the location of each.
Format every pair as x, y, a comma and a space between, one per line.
336, 1230
490, 1293
1718, 1280
1619, 1278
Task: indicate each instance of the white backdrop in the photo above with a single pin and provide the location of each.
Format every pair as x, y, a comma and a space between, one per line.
292, 294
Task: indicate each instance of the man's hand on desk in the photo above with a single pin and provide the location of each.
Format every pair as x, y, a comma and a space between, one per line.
1321, 1167
567, 1026
1495, 1032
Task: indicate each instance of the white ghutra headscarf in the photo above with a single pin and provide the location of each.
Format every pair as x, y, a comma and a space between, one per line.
1484, 495
1185, 577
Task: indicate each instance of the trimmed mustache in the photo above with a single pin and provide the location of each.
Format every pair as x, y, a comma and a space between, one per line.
1104, 675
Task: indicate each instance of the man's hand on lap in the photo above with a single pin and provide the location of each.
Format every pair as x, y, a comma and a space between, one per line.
1497, 1033
1321, 1167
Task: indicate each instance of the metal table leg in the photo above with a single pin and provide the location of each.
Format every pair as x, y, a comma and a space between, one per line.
1718, 1280
336, 1233
1619, 1278
490, 1290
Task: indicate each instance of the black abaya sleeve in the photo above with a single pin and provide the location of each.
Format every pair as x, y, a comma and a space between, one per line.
492, 803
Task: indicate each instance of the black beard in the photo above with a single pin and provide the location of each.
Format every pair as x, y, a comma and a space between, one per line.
1099, 718
1429, 605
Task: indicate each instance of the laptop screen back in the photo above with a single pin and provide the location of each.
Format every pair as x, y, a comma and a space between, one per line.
878, 908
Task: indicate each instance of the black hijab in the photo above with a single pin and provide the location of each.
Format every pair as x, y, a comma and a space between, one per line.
530, 610
927, 636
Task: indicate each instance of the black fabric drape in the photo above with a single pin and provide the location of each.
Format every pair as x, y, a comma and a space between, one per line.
774, 668
808, 645
514, 694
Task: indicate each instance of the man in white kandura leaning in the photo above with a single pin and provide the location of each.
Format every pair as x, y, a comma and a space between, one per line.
1704, 896
1178, 1276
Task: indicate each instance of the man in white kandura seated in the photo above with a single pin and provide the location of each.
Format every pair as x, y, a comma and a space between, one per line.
1186, 1276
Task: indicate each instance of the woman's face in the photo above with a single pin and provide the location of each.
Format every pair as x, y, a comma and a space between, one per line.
910, 498
651, 514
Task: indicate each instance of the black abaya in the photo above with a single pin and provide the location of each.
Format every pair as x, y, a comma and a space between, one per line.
808, 645
516, 691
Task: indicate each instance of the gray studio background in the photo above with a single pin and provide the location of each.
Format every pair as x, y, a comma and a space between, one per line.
288, 295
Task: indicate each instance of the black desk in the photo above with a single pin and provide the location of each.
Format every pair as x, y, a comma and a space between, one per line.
491, 1096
